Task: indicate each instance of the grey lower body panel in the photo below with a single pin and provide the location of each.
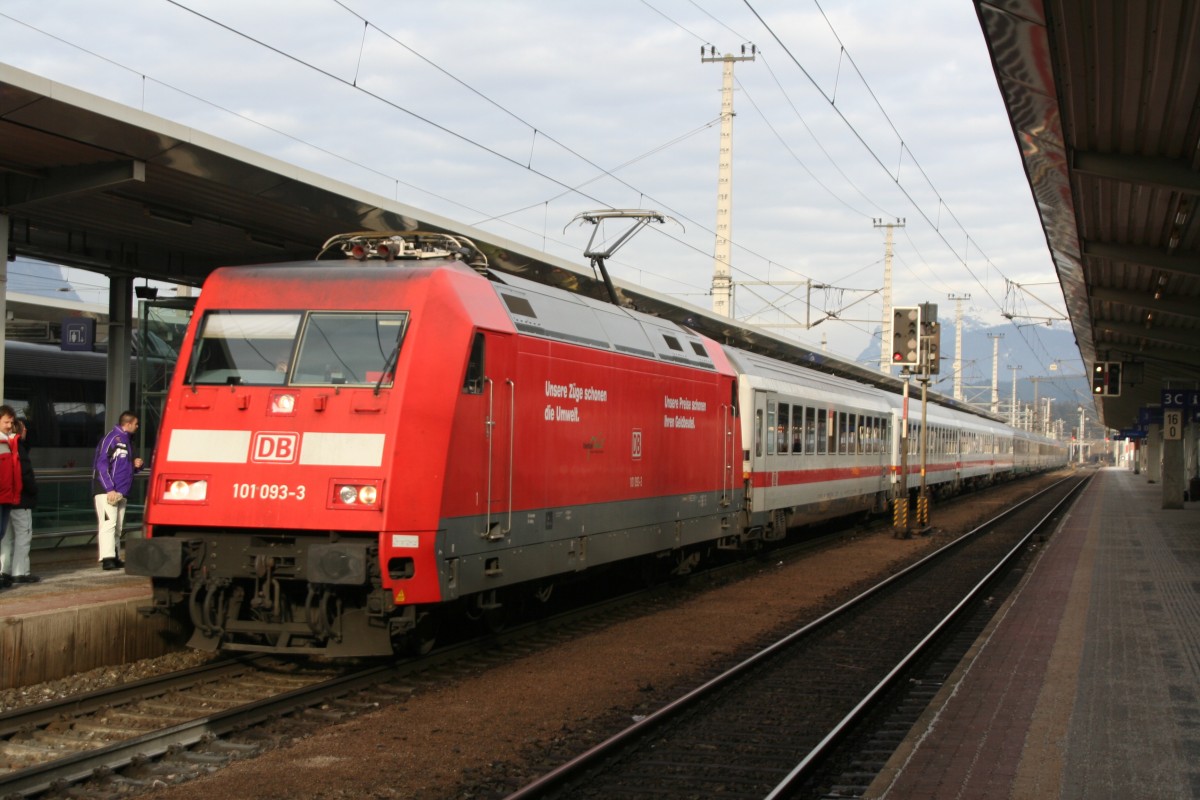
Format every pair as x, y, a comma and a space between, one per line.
536, 544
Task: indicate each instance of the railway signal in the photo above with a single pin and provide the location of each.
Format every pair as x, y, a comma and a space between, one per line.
930, 347
1112, 386
931, 336
906, 336
1106, 378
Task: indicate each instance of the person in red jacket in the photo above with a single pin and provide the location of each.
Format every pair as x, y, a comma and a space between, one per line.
14, 548
10, 472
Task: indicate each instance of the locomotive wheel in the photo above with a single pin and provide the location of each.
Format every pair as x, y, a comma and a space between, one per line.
495, 618
487, 610
496, 614
543, 591
684, 562
650, 571
421, 640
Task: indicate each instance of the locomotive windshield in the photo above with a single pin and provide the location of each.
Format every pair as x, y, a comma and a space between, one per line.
315, 348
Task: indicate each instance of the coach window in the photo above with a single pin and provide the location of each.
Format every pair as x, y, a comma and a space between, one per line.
782, 431
473, 382
810, 430
797, 430
770, 427
758, 435
822, 424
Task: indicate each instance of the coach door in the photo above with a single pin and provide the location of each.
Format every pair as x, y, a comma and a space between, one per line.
499, 425
762, 448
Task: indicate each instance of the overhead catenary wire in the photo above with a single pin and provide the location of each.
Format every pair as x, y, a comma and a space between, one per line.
934, 225
357, 66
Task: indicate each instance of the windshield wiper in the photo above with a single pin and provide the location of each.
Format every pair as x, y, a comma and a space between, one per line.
389, 365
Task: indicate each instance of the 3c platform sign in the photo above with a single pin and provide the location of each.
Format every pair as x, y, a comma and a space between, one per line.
1173, 403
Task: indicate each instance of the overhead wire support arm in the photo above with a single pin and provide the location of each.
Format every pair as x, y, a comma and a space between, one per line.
641, 218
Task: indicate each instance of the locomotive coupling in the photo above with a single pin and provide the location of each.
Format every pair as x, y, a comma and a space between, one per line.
337, 563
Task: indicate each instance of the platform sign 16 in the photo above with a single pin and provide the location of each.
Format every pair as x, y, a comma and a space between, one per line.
1172, 424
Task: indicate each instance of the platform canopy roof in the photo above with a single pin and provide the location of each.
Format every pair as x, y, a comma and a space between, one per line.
1104, 99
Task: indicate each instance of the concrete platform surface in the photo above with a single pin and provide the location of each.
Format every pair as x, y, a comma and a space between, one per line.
1087, 682
78, 617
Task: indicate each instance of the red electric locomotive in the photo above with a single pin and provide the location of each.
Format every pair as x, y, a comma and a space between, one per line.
349, 446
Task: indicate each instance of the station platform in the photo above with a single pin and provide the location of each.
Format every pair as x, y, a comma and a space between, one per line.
1087, 682
77, 618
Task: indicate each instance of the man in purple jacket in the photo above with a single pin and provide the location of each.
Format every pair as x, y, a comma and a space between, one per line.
112, 479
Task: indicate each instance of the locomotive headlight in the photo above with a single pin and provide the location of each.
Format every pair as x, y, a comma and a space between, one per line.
364, 496
181, 489
283, 403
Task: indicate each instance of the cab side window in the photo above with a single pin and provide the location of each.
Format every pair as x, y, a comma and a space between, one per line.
473, 382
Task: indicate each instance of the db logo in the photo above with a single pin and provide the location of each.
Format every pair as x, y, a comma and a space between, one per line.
276, 448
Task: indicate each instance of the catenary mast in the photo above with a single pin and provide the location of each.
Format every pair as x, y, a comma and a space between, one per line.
722, 283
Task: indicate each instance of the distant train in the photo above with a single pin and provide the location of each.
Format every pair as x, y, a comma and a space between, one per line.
62, 396
350, 451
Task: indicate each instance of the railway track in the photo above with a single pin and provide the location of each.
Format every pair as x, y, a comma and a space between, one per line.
168, 729
66, 742
772, 725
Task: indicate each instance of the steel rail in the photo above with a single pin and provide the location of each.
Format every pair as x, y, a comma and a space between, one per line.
594, 755
16, 720
805, 767
80, 766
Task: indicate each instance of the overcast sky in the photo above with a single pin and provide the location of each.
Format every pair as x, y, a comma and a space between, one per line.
516, 116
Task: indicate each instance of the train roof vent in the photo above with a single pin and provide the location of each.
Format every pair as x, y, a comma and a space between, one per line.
390, 246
